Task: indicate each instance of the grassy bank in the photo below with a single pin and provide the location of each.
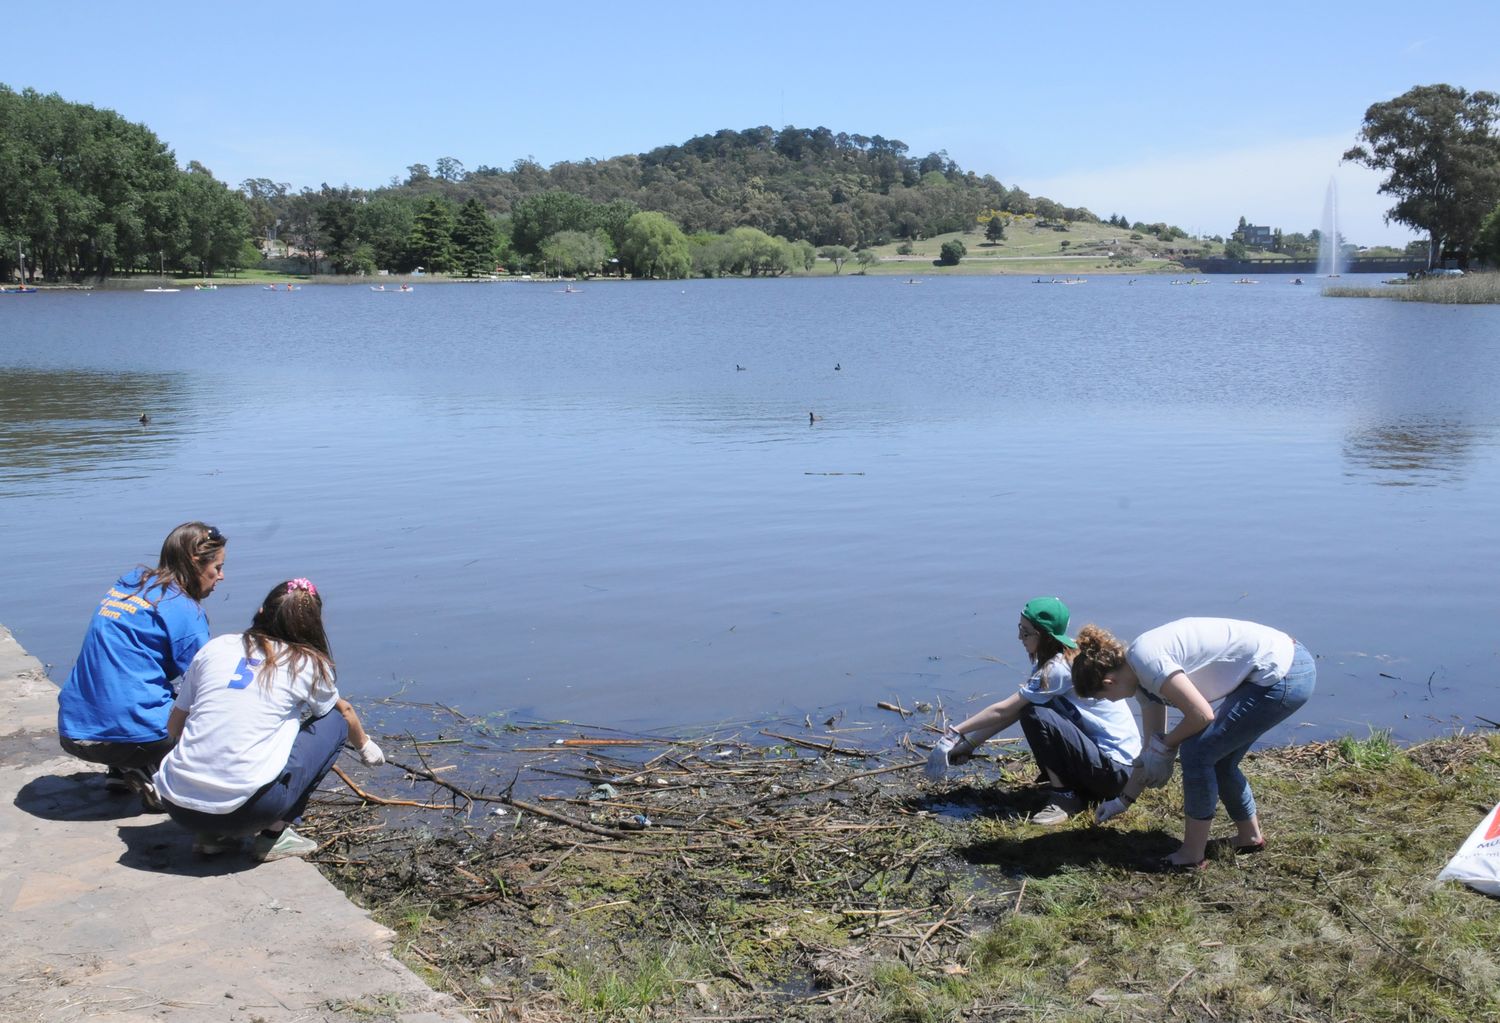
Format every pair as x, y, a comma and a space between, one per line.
728, 880
1470, 289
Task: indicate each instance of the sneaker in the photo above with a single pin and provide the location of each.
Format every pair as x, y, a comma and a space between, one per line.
284, 845
212, 845
139, 782
1059, 811
952, 749
114, 781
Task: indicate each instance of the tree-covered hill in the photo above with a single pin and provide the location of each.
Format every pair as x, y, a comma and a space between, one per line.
829, 188
86, 193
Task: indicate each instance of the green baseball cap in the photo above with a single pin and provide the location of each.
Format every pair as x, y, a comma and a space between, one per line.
1051, 616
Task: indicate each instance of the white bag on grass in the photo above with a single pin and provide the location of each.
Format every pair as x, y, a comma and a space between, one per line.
1477, 863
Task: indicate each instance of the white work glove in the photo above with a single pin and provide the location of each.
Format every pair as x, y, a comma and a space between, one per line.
951, 749
1112, 808
1156, 761
371, 753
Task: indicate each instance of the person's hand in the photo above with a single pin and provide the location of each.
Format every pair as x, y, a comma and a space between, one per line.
1111, 808
948, 751
1156, 761
371, 753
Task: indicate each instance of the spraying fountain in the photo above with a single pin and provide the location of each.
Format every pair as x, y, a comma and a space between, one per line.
1330, 256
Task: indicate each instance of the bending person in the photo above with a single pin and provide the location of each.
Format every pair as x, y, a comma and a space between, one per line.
259, 722
1257, 675
113, 709
1084, 747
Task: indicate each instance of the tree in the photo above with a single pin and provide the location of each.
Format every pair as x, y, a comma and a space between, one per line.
216, 220
994, 231
474, 240
655, 247
866, 258
1235, 249
837, 254
432, 236
449, 169
951, 252
338, 219
1439, 148
1487, 241
538, 217
574, 252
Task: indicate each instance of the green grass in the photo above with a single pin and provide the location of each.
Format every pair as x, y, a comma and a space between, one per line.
1470, 289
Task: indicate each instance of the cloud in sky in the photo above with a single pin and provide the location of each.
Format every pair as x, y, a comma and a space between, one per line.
1281, 184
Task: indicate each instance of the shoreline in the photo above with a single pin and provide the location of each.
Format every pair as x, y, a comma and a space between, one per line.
108, 911
804, 873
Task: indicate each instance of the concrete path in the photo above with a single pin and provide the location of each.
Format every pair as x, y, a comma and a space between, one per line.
105, 913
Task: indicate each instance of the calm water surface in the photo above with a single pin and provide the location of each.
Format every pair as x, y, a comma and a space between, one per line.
542, 505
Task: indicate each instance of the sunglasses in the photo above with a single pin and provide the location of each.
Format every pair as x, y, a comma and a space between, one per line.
214, 536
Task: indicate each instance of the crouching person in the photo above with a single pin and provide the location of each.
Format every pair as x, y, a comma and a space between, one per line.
258, 722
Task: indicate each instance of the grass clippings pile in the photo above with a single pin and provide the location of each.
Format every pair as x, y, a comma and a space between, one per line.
726, 879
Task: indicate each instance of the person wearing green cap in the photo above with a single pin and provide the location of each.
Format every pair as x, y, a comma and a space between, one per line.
1083, 747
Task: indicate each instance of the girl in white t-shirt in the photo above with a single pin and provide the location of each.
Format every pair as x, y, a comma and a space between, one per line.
255, 729
1232, 681
1084, 747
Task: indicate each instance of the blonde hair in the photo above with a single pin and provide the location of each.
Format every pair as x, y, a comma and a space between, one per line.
1099, 653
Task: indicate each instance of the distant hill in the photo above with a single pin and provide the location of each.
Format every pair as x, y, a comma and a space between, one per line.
830, 188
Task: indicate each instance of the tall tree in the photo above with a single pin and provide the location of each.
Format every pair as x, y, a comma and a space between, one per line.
474, 239
432, 236
1441, 153
216, 220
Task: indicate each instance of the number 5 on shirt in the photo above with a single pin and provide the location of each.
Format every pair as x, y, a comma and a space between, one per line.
243, 674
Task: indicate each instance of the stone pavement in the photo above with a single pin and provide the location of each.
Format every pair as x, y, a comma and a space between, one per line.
105, 913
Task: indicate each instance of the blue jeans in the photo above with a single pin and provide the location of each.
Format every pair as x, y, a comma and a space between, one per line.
284, 797
1211, 759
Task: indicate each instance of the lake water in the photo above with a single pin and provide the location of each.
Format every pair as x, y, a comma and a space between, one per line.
542, 505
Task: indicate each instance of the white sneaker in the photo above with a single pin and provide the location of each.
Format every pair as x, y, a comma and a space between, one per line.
283, 846
1059, 811
950, 750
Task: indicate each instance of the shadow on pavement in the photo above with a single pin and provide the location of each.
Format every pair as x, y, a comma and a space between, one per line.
80, 796
164, 848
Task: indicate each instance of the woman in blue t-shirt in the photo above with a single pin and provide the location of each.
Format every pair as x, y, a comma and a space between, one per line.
113, 709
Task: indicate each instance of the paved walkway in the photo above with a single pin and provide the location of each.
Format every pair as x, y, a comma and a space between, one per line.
105, 913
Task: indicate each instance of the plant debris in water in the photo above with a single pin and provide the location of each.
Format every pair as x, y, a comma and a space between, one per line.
562, 872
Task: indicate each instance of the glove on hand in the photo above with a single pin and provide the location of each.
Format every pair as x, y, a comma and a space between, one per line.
371, 753
1110, 809
1156, 762
951, 749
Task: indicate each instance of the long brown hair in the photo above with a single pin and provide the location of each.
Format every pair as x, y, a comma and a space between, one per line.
290, 624
1099, 653
184, 554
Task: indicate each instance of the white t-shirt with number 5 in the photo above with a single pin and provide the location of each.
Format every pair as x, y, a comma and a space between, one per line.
239, 733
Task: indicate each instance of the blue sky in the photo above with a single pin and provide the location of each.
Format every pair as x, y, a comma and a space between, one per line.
1161, 111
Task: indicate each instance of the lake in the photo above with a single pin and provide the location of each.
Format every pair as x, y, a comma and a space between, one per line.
541, 505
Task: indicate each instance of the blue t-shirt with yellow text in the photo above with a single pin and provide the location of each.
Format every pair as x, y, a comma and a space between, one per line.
138, 641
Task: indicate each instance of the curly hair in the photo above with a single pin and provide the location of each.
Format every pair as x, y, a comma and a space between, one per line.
1099, 653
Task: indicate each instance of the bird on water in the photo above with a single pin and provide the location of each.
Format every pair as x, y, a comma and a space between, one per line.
144, 419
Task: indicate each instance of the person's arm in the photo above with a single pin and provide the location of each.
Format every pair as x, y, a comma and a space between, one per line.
1179, 691
359, 740
992, 720
175, 721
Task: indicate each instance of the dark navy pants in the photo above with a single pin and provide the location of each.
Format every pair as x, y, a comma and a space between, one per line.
284, 797
1059, 745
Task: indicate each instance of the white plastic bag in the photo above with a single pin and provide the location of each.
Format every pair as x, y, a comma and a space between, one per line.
1477, 863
